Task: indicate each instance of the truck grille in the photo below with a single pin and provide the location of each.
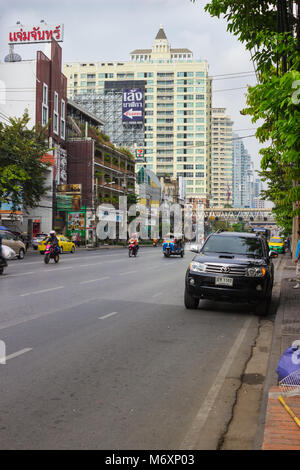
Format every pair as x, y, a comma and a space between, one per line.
234, 270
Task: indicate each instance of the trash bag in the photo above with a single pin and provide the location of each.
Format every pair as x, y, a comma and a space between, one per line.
8, 253
289, 361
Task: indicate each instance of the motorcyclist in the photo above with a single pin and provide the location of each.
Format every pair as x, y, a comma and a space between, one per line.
53, 240
134, 241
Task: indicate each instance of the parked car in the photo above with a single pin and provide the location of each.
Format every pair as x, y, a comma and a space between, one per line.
233, 267
11, 240
277, 244
37, 239
64, 244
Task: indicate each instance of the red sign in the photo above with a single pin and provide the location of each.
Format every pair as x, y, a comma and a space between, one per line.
36, 34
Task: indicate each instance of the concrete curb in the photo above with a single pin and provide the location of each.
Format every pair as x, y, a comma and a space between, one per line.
271, 376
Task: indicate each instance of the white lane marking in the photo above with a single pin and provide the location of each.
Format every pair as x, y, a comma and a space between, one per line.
37, 316
18, 353
56, 270
94, 280
92, 264
41, 291
127, 272
108, 315
192, 437
20, 274
156, 295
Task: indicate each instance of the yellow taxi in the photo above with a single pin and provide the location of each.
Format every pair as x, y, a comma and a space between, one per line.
64, 245
277, 244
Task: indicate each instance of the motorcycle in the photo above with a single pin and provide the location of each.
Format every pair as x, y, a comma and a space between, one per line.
155, 242
132, 250
51, 252
172, 247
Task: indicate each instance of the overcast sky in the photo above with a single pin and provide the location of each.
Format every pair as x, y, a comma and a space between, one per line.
108, 30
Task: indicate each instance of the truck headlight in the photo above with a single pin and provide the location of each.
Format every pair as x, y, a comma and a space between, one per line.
197, 267
256, 272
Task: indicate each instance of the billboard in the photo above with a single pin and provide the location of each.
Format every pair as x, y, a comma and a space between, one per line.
132, 105
69, 188
68, 197
35, 34
76, 223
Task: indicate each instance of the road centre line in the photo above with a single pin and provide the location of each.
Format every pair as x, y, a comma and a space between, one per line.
192, 437
94, 280
108, 315
18, 353
41, 291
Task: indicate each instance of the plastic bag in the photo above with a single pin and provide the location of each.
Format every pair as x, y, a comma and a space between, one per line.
289, 361
7, 252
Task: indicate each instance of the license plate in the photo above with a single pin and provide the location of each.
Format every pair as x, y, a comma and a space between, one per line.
224, 281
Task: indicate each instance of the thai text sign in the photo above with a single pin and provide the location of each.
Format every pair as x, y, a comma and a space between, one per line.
133, 105
36, 34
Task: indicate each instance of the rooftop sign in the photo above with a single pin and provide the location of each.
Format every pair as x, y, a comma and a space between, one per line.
133, 105
36, 34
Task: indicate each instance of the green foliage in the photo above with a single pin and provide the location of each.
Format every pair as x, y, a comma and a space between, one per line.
132, 198
126, 152
22, 172
274, 43
238, 227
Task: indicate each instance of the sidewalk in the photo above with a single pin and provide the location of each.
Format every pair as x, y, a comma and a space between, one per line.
280, 430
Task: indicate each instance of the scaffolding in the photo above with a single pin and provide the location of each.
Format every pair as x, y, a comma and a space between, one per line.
108, 106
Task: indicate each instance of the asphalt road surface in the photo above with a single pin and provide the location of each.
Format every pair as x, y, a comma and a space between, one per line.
102, 354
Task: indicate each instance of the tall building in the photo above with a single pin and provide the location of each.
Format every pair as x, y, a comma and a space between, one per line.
221, 158
177, 108
243, 175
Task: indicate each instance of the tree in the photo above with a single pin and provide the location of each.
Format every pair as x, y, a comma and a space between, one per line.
270, 31
22, 171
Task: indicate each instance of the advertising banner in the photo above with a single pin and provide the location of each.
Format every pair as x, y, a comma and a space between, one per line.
76, 223
68, 197
69, 188
68, 201
133, 105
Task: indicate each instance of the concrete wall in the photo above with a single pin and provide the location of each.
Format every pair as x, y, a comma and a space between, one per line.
17, 90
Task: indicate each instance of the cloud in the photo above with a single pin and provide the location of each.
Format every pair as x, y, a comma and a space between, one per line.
108, 30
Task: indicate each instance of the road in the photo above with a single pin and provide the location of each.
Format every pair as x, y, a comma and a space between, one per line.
102, 354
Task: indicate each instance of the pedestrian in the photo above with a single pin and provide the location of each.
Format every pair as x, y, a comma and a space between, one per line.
288, 243
297, 262
78, 239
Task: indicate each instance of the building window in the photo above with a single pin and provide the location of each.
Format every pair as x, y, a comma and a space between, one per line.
45, 105
55, 113
63, 120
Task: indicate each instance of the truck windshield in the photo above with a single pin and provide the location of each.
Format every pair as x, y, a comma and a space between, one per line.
234, 245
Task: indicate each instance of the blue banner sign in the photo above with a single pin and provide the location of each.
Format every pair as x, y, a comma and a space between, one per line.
133, 105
